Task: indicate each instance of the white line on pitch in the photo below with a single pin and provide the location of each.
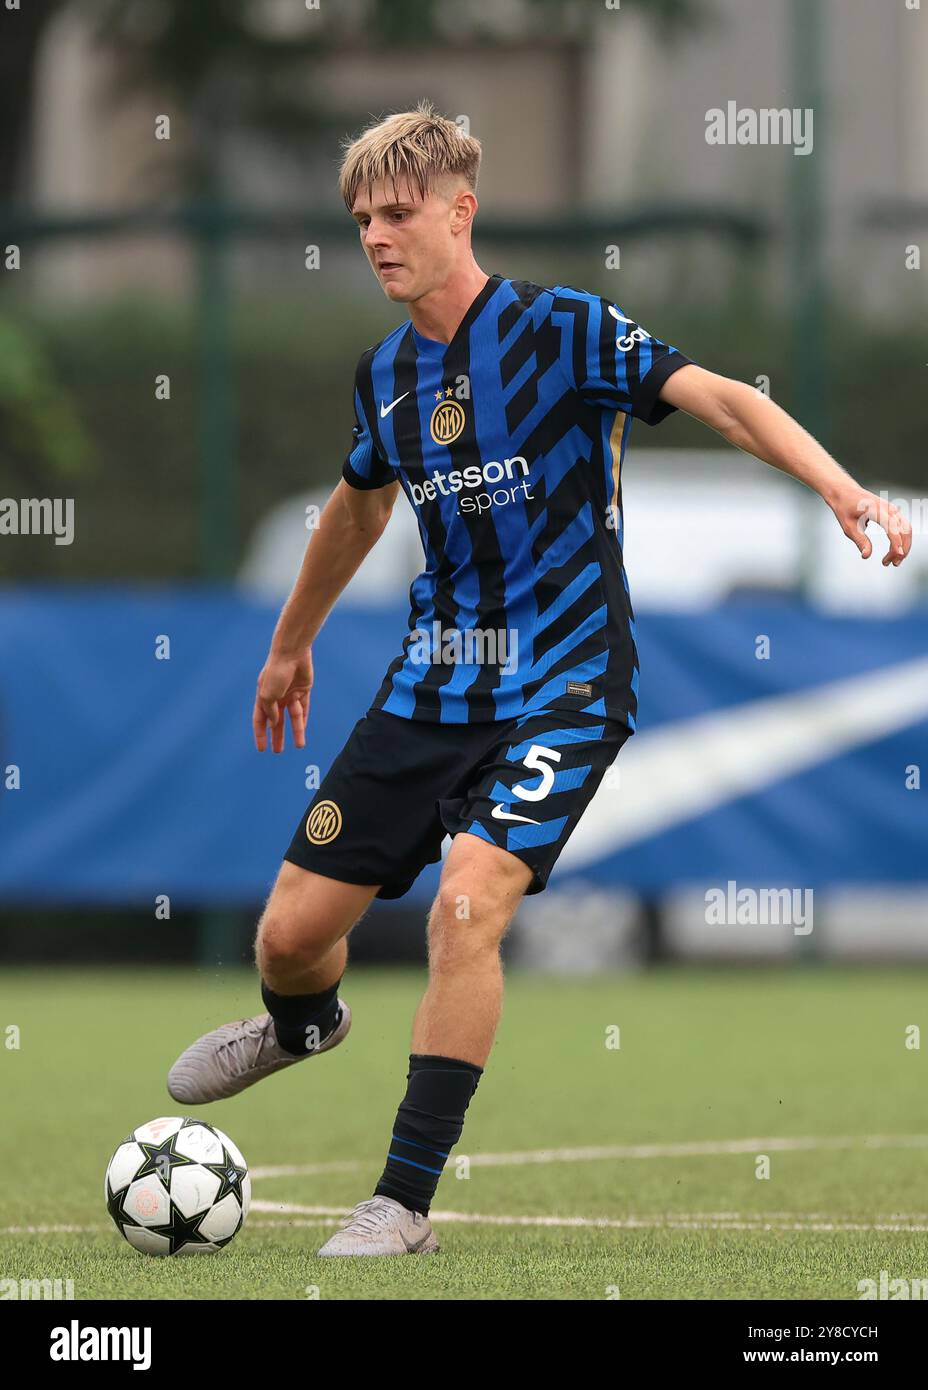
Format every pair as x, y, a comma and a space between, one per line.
698, 1149
682, 1222
47, 1230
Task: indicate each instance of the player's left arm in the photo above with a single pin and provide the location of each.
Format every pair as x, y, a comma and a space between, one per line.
751, 421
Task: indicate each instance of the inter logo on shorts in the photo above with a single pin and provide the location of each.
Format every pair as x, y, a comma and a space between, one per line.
447, 422
323, 823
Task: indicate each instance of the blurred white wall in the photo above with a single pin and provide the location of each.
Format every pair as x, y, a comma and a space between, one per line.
577, 928
698, 525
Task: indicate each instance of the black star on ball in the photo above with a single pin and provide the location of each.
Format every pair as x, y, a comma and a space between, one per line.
161, 1159
114, 1207
182, 1230
230, 1176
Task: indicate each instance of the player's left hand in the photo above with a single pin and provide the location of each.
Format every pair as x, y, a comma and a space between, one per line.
283, 688
855, 507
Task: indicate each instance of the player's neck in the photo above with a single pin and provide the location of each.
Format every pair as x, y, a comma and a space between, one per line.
439, 313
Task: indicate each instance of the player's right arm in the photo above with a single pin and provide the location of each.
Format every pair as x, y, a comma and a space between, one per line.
352, 521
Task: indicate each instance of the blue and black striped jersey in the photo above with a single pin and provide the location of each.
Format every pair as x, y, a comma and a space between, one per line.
508, 442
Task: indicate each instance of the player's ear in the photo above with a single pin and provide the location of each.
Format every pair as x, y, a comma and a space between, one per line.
463, 209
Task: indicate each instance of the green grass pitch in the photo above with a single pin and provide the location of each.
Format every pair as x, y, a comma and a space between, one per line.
714, 1068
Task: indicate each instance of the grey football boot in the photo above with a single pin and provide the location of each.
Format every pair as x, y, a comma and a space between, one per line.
235, 1056
382, 1226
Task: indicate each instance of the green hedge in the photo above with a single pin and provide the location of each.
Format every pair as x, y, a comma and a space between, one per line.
78, 414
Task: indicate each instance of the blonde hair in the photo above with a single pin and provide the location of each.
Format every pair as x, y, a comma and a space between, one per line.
419, 146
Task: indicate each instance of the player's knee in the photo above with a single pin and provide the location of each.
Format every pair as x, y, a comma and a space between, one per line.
279, 946
468, 915
480, 886
287, 941
458, 902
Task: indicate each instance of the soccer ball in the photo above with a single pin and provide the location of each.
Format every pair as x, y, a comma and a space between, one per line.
177, 1187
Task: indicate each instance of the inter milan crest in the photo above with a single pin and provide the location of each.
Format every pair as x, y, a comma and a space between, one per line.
447, 421
323, 823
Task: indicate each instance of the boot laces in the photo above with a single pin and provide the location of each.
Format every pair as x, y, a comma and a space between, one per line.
370, 1217
242, 1051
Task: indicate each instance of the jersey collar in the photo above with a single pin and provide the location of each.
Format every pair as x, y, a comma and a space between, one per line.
431, 345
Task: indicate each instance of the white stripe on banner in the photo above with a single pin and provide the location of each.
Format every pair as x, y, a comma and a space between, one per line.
682, 770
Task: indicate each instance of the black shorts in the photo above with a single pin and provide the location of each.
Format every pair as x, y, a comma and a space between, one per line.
400, 785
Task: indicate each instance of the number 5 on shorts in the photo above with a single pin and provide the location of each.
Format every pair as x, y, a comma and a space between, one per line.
534, 759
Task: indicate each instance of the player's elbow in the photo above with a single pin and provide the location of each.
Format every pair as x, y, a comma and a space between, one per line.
732, 407
366, 512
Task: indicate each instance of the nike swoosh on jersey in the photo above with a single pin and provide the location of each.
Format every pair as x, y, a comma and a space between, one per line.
691, 767
499, 814
385, 409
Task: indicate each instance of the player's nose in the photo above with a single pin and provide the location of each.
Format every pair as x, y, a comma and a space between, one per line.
376, 235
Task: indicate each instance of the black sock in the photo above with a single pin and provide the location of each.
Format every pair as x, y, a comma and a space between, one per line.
428, 1125
295, 1014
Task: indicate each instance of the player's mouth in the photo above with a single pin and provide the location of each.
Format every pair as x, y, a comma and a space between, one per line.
389, 267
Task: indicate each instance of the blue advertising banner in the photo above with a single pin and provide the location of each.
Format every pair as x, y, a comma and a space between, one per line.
774, 743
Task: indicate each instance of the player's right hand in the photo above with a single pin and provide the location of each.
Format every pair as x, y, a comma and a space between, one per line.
283, 688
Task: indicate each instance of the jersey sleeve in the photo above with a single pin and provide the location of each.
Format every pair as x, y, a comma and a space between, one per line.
611, 360
365, 465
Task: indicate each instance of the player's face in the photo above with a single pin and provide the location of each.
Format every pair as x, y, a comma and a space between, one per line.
410, 241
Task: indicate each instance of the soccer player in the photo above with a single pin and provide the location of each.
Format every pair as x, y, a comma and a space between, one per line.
502, 410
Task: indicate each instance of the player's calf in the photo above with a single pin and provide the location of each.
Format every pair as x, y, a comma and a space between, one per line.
301, 955
456, 1021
